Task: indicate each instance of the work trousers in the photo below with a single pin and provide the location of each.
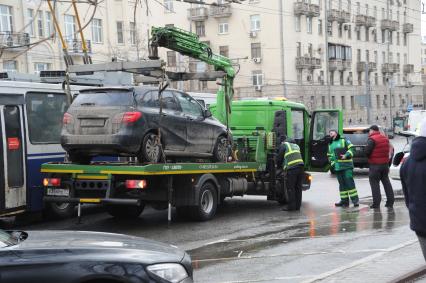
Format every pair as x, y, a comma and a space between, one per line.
294, 183
422, 241
380, 173
347, 186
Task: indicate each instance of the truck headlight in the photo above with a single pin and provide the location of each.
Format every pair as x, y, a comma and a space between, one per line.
172, 272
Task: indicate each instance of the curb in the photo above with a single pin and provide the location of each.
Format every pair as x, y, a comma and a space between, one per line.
411, 276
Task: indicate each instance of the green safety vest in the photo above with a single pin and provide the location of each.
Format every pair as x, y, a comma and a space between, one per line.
341, 164
292, 156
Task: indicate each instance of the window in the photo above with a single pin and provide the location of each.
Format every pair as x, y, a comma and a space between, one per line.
299, 76
49, 25
378, 101
297, 124
398, 58
257, 77
69, 27
405, 58
171, 58
358, 33
30, 22
323, 102
375, 57
256, 51
350, 32
352, 102
45, 112
6, 18
200, 28
309, 24
390, 57
40, 27
383, 57
398, 39
10, 66
223, 28
390, 34
350, 78
297, 23
97, 33
367, 55
340, 29
319, 27
189, 105
132, 33
310, 50
330, 28
405, 39
375, 12
341, 78
376, 79
358, 8
168, 6
343, 102
38, 67
333, 101
120, 34
383, 36
299, 49
332, 78
359, 78
367, 34
169, 102
224, 51
255, 22
358, 55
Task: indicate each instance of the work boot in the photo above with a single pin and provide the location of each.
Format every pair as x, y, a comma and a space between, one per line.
374, 206
389, 205
356, 204
342, 204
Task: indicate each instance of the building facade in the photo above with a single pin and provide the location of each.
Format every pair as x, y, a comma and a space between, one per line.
360, 56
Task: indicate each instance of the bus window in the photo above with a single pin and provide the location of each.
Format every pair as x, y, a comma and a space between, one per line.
44, 113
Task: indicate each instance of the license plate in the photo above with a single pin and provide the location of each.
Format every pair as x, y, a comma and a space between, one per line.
58, 192
92, 122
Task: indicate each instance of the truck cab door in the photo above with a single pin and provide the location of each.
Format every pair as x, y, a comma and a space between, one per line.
322, 122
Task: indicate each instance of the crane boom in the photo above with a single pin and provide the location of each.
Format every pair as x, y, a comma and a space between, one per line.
189, 44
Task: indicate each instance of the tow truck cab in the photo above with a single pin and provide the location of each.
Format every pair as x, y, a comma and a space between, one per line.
284, 118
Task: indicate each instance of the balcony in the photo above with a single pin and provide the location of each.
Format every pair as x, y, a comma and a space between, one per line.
198, 14
407, 28
307, 62
17, 41
360, 20
347, 64
408, 68
390, 25
221, 11
390, 68
310, 10
370, 21
361, 66
335, 15
75, 47
335, 65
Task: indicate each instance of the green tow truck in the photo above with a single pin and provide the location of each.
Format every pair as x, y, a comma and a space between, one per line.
197, 188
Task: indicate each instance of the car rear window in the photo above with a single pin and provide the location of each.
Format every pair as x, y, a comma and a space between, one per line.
104, 98
357, 137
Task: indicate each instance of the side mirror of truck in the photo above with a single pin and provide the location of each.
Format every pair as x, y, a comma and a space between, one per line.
207, 113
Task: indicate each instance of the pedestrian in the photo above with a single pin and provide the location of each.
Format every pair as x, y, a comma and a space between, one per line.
340, 155
290, 158
413, 179
378, 151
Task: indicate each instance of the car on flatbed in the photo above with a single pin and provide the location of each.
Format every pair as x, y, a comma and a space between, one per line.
126, 121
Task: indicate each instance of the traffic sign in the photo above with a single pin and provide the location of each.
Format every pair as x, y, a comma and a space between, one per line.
410, 107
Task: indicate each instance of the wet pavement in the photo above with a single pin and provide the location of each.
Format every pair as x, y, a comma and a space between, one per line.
252, 240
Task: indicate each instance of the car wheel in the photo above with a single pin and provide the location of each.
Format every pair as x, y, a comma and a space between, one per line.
60, 210
220, 152
121, 211
151, 150
79, 158
207, 203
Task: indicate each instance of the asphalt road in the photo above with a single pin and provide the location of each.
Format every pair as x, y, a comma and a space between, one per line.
252, 240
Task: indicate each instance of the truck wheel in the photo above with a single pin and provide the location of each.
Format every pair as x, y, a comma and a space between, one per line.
121, 211
150, 150
60, 210
220, 151
207, 203
79, 158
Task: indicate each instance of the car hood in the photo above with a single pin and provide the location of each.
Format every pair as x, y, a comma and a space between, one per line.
103, 245
418, 148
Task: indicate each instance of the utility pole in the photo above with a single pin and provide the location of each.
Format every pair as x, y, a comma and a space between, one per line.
389, 75
327, 66
367, 93
281, 18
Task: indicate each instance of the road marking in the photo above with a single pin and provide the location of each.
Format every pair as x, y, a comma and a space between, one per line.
360, 261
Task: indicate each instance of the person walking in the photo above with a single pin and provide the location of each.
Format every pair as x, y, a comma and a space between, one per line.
290, 157
378, 150
413, 179
340, 155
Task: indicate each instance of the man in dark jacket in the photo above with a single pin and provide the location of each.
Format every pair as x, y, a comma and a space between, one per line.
377, 150
413, 179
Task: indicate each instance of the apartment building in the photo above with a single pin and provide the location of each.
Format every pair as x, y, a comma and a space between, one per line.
324, 53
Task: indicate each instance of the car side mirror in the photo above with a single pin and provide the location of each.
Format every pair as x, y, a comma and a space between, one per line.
397, 159
207, 113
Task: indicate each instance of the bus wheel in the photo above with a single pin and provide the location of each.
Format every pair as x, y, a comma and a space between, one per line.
206, 203
121, 211
60, 210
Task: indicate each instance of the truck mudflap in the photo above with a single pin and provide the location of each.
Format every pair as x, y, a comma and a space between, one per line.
115, 201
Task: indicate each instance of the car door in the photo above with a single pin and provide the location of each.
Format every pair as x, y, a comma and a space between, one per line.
322, 122
199, 132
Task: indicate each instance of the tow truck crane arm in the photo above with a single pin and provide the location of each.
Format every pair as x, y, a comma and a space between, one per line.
189, 44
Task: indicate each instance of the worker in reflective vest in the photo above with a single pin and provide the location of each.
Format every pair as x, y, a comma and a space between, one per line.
291, 159
340, 153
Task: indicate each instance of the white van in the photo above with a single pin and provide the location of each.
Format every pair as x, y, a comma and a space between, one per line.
415, 118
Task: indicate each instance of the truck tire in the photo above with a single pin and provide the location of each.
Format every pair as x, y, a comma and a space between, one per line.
59, 210
122, 211
150, 151
207, 203
220, 151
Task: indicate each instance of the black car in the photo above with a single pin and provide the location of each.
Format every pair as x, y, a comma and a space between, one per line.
125, 122
73, 256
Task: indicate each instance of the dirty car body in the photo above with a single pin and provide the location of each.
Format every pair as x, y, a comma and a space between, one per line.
76, 256
116, 121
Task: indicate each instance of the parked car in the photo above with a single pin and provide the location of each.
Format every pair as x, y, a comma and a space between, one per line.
73, 256
358, 135
125, 121
401, 156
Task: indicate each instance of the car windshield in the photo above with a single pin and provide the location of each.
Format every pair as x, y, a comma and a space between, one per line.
6, 239
359, 137
104, 98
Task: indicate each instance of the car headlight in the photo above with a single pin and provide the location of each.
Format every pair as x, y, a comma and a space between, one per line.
172, 272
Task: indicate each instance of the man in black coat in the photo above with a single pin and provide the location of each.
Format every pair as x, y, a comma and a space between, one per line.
413, 179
